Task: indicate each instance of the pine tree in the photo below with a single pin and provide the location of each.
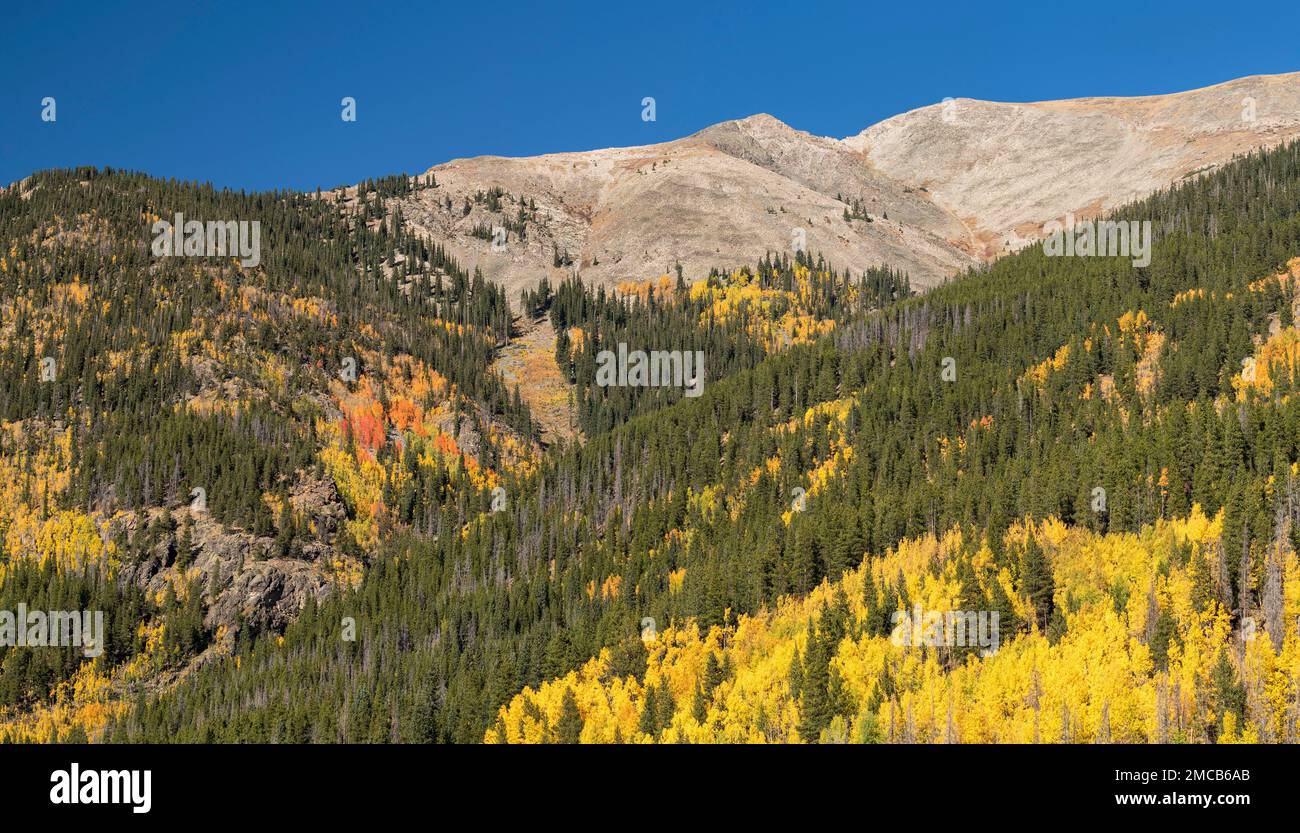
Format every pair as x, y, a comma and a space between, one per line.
712, 674
1037, 582
649, 723
568, 729
815, 707
666, 705
699, 708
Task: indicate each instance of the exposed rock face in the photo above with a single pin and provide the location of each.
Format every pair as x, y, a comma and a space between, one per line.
961, 182
268, 595
244, 579
319, 502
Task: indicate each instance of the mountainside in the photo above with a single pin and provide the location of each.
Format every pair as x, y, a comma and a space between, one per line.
634, 213
1106, 457
313, 505
197, 448
931, 192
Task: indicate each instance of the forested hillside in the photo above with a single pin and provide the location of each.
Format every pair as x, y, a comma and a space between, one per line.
1113, 470
1105, 455
1137, 650
197, 448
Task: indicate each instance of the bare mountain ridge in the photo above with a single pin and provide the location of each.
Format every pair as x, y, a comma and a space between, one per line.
946, 186
1005, 169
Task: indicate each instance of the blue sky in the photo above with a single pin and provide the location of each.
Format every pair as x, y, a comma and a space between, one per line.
247, 95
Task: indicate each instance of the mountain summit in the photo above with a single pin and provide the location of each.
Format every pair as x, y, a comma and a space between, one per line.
932, 191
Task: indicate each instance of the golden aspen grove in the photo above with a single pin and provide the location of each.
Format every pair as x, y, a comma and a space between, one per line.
1101, 680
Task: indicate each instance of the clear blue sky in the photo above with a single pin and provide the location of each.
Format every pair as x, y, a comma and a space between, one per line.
247, 94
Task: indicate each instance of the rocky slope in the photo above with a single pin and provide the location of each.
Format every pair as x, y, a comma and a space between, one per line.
944, 187
1005, 169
